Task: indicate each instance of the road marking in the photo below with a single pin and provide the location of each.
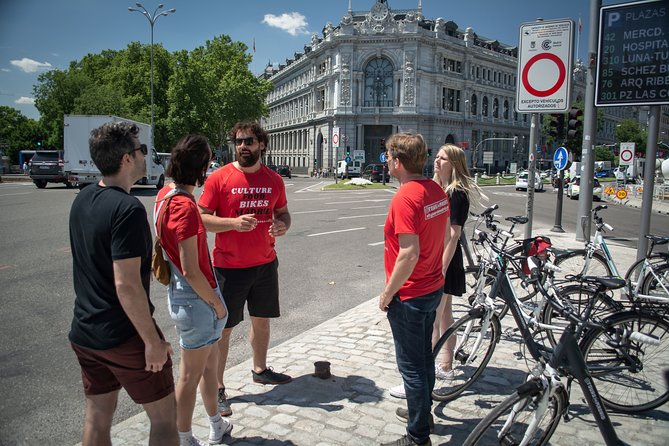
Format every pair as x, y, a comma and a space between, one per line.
375, 244
5, 266
313, 212
368, 207
362, 216
18, 193
309, 187
335, 232
358, 201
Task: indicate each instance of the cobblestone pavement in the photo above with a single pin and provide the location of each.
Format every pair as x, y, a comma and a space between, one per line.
354, 407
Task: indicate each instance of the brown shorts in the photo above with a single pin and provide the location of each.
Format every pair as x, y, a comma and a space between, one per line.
105, 371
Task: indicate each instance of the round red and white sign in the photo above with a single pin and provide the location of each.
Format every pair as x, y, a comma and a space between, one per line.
335, 139
626, 155
561, 77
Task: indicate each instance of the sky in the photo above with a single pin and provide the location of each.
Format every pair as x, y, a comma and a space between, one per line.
42, 35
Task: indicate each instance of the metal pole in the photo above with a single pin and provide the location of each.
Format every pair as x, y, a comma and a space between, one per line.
648, 181
589, 132
534, 127
153, 127
557, 226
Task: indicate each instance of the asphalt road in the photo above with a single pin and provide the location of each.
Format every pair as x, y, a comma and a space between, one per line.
330, 261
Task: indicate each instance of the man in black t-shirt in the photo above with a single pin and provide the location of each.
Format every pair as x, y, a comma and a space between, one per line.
114, 335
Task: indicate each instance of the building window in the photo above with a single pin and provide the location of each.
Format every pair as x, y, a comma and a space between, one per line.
450, 99
379, 83
495, 108
474, 105
506, 109
320, 99
484, 107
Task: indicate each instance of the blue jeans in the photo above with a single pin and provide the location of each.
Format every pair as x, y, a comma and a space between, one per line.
411, 322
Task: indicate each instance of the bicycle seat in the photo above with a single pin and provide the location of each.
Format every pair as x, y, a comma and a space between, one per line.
658, 240
559, 252
519, 220
608, 282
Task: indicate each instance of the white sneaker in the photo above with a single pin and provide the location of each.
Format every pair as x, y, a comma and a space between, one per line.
191, 441
218, 430
398, 391
440, 373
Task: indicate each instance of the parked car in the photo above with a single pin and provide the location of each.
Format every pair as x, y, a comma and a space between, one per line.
284, 171
521, 182
46, 166
212, 167
374, 172
575, 185
272, 167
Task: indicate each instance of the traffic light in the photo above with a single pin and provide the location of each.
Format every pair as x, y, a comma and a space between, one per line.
574, 124
556, 126
429, 152
348, 150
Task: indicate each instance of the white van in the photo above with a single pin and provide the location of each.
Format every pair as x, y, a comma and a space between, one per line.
348, 170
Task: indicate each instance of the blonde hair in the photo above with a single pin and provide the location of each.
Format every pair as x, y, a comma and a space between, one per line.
460, 177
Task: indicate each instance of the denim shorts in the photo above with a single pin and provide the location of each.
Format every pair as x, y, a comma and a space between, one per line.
196, 321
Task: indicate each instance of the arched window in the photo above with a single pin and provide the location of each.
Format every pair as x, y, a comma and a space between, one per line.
506, 109
495, 108
474, 102
379, 83
484, 107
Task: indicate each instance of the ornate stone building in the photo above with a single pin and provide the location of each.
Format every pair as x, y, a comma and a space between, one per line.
382, 71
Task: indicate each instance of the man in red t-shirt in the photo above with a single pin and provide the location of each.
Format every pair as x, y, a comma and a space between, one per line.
245, 204
415, 235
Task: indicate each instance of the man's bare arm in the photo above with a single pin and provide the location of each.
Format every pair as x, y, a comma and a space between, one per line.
133, 299
214, 223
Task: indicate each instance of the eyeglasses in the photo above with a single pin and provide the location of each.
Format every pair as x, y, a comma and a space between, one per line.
248, 141
142, 148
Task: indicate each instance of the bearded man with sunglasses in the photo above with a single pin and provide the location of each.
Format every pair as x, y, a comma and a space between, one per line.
245, 204
113, 334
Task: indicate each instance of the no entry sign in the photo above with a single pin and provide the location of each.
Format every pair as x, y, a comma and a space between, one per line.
544, 66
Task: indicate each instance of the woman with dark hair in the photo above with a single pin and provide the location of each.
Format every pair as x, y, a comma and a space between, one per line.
195, 301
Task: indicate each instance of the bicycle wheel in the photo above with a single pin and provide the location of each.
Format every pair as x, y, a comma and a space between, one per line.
471, 352
507, 423
629, 373
573, 264
656, 282
579, 298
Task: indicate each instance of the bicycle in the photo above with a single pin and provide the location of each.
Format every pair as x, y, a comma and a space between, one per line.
532, 413
647, 279
478, 332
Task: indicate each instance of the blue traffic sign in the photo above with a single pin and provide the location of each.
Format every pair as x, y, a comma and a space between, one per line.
560, 158
382, 157
348, 160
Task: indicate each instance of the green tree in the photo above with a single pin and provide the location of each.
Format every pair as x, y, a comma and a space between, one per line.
212, 88
17, 131
629, 130
603, 153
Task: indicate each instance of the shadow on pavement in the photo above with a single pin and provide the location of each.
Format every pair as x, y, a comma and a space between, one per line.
308, 391
241, 441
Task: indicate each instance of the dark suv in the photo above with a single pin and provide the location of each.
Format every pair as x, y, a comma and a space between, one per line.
284, 171
46, 166
373, 172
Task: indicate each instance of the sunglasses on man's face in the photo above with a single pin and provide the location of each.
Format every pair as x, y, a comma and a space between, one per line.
248, 141
142, 148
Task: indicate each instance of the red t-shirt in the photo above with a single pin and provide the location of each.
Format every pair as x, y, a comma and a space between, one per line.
419, 207
230, 193
182, 220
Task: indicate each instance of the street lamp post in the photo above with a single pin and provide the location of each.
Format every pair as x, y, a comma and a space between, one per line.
152, 20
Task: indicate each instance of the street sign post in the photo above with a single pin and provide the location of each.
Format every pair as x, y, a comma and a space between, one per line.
335, 137
544, 66
632, 62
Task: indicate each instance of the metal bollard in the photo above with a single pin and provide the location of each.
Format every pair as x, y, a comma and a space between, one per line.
497, 180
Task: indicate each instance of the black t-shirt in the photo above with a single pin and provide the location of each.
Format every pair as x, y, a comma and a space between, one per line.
106, 224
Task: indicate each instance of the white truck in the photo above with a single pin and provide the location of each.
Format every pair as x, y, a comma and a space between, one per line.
78, 165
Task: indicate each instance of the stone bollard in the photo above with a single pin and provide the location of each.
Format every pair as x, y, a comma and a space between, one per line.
497, 180
476, 178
